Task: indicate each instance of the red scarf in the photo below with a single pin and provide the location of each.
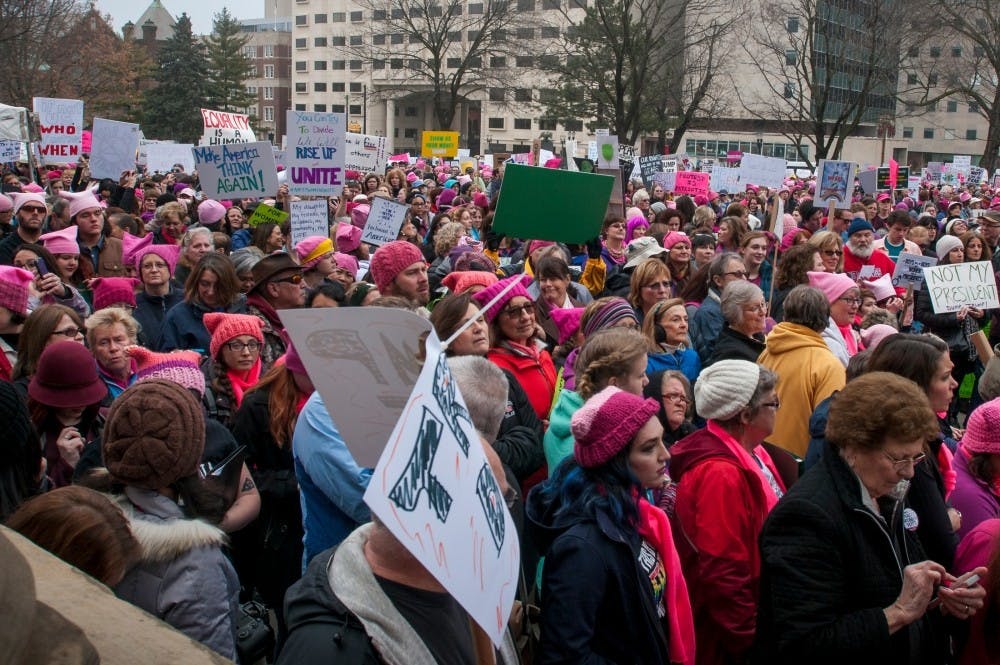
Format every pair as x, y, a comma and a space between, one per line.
243, 381
654, 527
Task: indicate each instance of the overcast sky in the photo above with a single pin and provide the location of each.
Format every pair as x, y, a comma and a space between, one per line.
200, 11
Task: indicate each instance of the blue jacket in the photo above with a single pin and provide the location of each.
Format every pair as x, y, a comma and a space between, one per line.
331, 484
183, 327
706, 324
685, 360
239, 240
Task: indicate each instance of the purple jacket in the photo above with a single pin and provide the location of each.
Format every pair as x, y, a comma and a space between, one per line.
971, 496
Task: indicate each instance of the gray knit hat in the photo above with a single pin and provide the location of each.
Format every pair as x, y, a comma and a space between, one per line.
725, 388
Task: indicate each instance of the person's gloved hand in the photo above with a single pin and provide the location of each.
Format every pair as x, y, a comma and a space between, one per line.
594, 248
493, 240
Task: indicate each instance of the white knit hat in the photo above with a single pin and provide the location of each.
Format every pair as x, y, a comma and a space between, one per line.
725, 388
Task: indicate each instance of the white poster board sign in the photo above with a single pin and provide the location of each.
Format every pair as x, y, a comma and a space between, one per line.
10, 151
315, 153
363, 361
61, 124
762, 171
435, 491
384, 221
607, 152
665, 180
161, 157
114, 148
223, 127
365, 153
910, 270
725, 178
954, 286
233, 171
309, 219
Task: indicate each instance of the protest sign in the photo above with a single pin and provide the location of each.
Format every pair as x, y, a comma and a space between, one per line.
384, 221
835, 181
962, 164
913, 187
309, 219
950, 174
977, 174
681, 160
648, 166
439, 144
616, 200
115, 146
9, 150
363, 362
222, 128
869, 181
763, 171
725, 178
161, 157
364, 153
315, 153
592, 151
61, 124
574, 216
665, 180
692, 183
401, 158
434, 489
954, 286
883, 176
934, 170
233, 171
996, 180
15, 124
607, 152
265, 213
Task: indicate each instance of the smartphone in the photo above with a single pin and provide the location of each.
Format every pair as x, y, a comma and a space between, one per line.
40, 266
967, 583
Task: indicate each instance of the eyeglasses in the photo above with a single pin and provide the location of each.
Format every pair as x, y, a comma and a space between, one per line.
832, 252
155, 266
237, 346
515, 312
294, 279
901, 463
676, 397
36, 209
656, 286
30, 264
756, 307
69, 332
738, 273
851, 301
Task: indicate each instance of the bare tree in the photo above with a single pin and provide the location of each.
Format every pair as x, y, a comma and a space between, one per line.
444, 50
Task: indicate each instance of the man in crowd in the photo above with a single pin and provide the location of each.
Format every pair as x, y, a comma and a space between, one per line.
895, 243
29, 210
103, 251
399, 269
861, 261
278, 284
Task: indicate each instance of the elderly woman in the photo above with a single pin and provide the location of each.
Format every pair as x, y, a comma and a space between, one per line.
196, 243
707, 321
666, 333
745, 311
243, 262
844, 579
673, 391
154, 265
171, 220
977, 468
726, 486
844, 297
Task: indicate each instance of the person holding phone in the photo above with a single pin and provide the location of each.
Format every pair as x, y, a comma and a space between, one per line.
48, 287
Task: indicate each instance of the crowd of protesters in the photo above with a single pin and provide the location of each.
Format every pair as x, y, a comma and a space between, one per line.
720, 445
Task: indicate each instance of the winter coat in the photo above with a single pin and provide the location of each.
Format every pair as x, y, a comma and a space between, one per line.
71, 298
706, 324
880, 262
339, 613
519, 443
240, 239
972, 497
150, 311
829, 567
537, 375
734, 345
183, 577
109, 258
685, 361
808, 373
558, 441
977, 549
183, 327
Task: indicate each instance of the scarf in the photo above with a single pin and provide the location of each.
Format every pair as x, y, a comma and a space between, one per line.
747, 462
243, 381
654, 527
949, 477
265, 308
849, 340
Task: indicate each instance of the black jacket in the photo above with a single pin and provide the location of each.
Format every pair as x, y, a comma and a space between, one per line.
519, 443
734, 345
149, 312
829, 567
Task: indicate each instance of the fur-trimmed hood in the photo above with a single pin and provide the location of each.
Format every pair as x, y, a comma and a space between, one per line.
162, 530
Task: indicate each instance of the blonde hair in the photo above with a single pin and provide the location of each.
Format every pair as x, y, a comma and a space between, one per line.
605, 355
828, 240
649, 270
109, 316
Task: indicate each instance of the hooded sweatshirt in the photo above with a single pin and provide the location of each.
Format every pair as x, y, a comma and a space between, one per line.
558, 440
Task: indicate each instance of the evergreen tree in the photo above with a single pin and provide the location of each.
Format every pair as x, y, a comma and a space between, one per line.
229, 67
172, 108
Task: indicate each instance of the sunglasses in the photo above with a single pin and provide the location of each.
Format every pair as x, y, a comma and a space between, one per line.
36, 209
294, 279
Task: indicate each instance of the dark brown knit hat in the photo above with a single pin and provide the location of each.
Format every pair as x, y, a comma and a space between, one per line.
154, 436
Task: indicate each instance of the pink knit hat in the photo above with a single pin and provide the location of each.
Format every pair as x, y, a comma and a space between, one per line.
14, 289
346, 262
348, 237
480, 200
873, 335
62, 242
882, 287
567, 321
491, 291
224, 327
80, 201
5, 203
210, 211
109, 291
391, 259
180, 367
33, 188
359, 215
411, 177
20, 198
832, 284
607, 423
537, 244
982, 431
462, 280
312, 249
675, 237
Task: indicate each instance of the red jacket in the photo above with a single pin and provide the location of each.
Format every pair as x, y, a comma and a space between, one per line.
536, 374
719, 514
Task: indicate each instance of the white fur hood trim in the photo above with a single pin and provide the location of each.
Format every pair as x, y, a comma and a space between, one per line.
168, 539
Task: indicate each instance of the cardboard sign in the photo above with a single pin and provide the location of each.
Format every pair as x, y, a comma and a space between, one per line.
962, 164
977, 174
574, 216
265, 213
913, 187
363, 361
315, 153
384, 221
725, 178
910, 270
223, 128
234, 171
954, 286
692, 183
435, 491
61, 123
364, 153
309, 218
10, 150
115, 146
161, 157
681, 160
834, 181
439, 144
607, 152
762, 171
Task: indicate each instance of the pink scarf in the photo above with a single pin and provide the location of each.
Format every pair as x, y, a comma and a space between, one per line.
852, 343
748, 463
243, 381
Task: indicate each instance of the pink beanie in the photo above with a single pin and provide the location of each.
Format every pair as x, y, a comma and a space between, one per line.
444, 200
109, 291
832, 284
33, 188
180, 367
62, 242
675, 237
391, 259
873, 335
80, 201
224, 327
14, 289
5, 203
882, 287
312, 249
411, 177
462, 280
606, 424
348, 237
359, 215
20, 198
346, 262
480, 200
567, 321
210, 211
491, 291
982, 431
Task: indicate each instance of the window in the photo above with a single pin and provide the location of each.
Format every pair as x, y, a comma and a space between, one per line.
269, 71
791, 57
792, 24
455, 36
548, 95
357, 17
269, 50
522, 95
410, 133
415, 64
337, 87
978, 51
907, 132
396, 63
318, 86
455, 10
498, 62
378, 63
935, 51
301, 19
548, 61
379, 14
973, 107
476, 8
378, 40
355, 109
300, 107
268, 114
495, 123
396, 13
911, 79
525, 33
338, 64
550, 32
546, 124
319, 18
913, 52
952, 107
355, 40
928, 133
932, 79
435, 11
573, 125
522, 123
355, 65
525, 5
337, 108
253, 71
338, 17
300, 42
338, 41
473, 35
956, 51
268, 92
250, 51
970, 135
252, 90
319, 66
524, 61
319, 108
396, 39
301, 65
497, 94
550, 4
356, 87
910, 107
789, 89
410, 111
453, 63
319, 41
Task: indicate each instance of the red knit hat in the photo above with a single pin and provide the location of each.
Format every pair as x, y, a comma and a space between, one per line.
391, 259
490, 292
110, 291
224, 327
180, 367
607, 423
14, 289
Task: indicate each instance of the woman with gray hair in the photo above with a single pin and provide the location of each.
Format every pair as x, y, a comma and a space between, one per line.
726, 486
243, 261
195, 243
745, 312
